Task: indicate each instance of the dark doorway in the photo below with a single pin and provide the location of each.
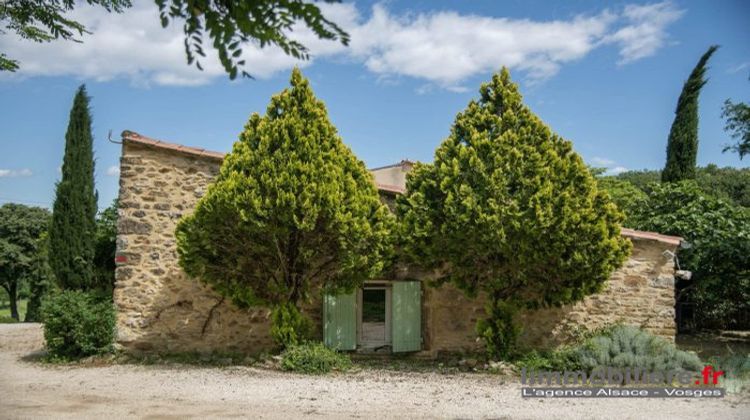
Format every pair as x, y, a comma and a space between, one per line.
374, 327
373, 305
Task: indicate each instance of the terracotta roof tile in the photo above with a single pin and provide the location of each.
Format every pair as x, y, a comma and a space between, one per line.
133, 137
639, 234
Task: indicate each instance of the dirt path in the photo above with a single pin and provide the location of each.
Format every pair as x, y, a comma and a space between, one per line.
31, 390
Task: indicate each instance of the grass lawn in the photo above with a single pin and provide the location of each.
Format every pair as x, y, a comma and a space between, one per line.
5, 311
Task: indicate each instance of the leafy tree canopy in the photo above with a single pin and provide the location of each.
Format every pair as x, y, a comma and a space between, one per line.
719, 256
231, 23
728, 183
683, 209
45, 20
227, 24
628, 198
39, 279
292, 209
510, 209
641, 179
737, 116
104, 254
20, 229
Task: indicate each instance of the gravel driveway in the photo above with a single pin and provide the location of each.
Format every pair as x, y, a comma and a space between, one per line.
30, 389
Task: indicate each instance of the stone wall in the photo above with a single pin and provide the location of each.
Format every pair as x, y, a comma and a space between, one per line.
639, 293
158, 307
161, 309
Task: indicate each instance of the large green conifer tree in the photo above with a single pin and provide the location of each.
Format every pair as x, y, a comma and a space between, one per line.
72, 236
292, 210
510, 210
682, 146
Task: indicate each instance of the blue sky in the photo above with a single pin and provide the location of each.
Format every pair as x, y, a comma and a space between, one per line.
604, 75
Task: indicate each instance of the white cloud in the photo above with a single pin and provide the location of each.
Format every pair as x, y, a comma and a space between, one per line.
645, 32
133, 45
15, 173
602, 162
739, 67
442, 48
446, 47
113, 171
611, 166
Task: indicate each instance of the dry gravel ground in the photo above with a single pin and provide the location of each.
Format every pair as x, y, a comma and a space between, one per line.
29, 389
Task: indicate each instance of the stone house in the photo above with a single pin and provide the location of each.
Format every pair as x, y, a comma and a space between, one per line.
160, 309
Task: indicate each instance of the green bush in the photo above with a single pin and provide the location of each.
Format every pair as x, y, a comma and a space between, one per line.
289, 326
617, 346
561, 359
736, 372
630, 347
314, 358
78, 324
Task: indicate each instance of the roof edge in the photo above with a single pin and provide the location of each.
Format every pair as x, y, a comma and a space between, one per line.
133, 137
640, 234
402, 163
391, 188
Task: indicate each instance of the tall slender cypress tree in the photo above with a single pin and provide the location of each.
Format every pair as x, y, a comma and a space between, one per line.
682, 146
73, 232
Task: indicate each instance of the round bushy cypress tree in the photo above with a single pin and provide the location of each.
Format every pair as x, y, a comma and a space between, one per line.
72, 235
682, 146
509, 209
291, 210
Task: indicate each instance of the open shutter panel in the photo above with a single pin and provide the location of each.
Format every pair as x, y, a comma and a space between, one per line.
340, 322
406, 316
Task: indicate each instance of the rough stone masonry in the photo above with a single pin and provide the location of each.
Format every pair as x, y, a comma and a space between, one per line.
161, 309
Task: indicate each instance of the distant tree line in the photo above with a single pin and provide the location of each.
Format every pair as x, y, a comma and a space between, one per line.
25, 273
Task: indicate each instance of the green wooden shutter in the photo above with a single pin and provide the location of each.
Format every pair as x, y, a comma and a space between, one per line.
406, 317
340, 321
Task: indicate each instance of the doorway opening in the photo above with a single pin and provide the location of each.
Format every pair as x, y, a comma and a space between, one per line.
375, 316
